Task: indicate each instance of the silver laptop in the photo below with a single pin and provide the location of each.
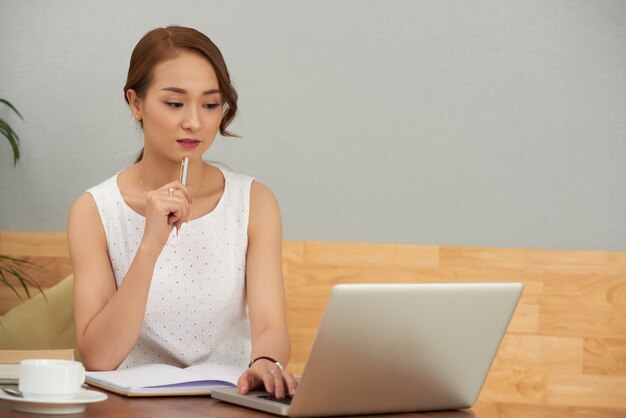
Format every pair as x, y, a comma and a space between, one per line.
384, 348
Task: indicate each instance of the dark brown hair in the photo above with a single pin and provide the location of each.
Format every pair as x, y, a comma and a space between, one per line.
162, 44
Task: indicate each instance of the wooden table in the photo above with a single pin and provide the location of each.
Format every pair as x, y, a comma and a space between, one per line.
201, 406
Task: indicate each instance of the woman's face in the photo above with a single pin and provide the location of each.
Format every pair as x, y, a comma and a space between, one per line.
182, 108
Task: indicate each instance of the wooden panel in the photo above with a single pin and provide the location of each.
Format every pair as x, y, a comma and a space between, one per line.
525, 319
585, 390
365, 255
572, 320
540, 354
586, 290
531, 260
604, 356
49, 244
515, 386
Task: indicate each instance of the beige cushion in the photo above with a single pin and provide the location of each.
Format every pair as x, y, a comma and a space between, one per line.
38, 324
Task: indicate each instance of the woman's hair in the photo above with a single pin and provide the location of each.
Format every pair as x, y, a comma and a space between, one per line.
163, 44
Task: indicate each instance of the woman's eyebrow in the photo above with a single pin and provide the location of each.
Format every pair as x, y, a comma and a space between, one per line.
183, 91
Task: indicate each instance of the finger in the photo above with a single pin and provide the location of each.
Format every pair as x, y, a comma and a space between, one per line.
245, 382
179, 209
183, 214
180, 196
174, 211
162, 200
176, 220
268, 382
279, 385
178, 187
292, 383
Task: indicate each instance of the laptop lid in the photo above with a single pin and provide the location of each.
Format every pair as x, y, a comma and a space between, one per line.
384, 348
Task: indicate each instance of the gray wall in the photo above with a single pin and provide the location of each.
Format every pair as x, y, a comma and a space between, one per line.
488, 123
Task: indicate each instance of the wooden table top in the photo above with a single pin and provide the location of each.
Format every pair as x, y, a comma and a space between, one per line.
182, 407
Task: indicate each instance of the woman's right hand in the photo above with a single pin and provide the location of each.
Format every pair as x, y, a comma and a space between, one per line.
167, 207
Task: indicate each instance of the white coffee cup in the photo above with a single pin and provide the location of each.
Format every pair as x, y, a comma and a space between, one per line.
50, 379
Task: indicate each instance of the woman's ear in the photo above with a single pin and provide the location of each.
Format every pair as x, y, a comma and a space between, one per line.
134, 101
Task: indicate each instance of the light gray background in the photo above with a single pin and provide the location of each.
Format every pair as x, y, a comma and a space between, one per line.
480, 123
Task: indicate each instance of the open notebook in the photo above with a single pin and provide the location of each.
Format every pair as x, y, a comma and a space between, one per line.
384, 348
165, 380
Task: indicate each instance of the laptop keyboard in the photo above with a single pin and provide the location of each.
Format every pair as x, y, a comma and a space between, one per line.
271, 397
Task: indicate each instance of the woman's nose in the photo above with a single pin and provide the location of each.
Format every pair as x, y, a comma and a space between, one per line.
191, 120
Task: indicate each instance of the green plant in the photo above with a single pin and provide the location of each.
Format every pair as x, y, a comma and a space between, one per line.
14, 267
8, 132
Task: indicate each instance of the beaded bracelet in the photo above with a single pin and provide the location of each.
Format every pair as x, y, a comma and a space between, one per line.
278, 365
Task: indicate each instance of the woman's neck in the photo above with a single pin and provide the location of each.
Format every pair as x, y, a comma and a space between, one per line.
153, 173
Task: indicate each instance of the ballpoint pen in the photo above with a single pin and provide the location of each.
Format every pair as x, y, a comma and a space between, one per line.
184, 166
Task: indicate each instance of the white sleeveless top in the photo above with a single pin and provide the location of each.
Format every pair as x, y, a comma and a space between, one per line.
196, 311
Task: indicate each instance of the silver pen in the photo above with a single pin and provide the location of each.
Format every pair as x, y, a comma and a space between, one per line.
184, 166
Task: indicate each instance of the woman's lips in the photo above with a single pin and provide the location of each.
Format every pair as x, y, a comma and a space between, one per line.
188, 143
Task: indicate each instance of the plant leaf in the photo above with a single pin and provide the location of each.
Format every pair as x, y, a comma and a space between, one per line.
10, 266
14, 140
23, 281
6, 102
21, 261
9, 133
4, 280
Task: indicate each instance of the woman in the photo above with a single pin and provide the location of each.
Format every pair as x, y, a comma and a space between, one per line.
172, 273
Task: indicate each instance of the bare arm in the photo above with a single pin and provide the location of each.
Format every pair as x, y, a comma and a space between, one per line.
266, 293
108, 321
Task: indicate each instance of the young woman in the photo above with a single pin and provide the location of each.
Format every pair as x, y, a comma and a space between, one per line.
172, 273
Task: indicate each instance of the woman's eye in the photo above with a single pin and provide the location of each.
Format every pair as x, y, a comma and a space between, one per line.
174, 104
211, 106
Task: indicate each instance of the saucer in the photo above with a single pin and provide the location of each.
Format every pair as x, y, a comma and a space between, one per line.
73, 405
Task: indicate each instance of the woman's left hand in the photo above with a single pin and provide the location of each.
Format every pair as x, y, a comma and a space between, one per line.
267, 373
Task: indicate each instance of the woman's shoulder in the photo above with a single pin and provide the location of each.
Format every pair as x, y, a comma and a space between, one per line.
86, 203
105, 185
264, 224
233, 176
264, 207
258, 190
83, 211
